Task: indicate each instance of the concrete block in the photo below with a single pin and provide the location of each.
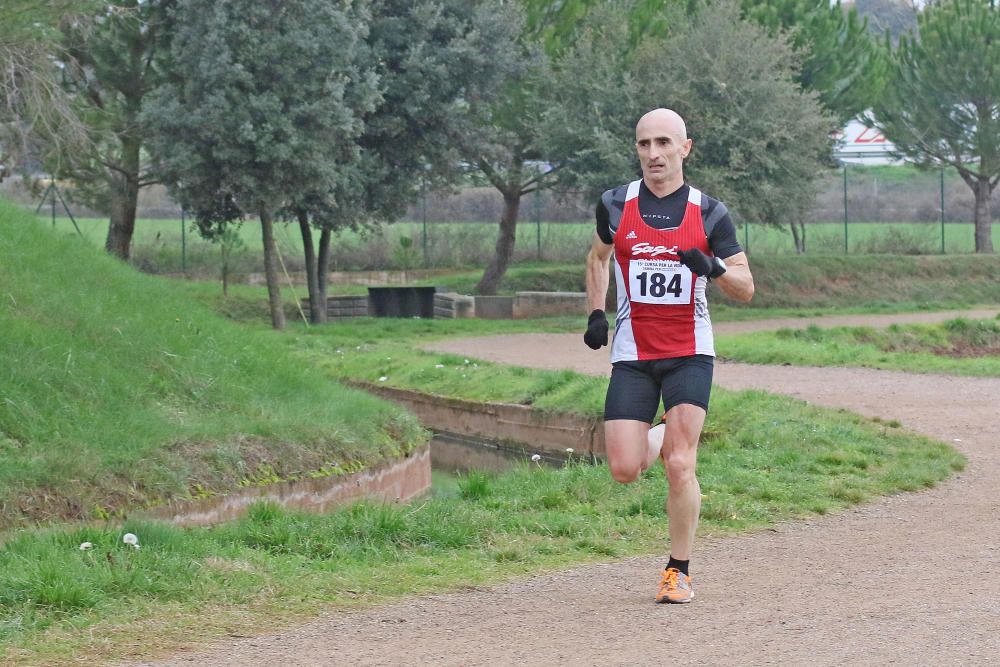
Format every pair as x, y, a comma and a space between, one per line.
452, 305
545, 304
495, 307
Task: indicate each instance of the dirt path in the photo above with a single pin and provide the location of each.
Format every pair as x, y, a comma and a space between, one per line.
906, 580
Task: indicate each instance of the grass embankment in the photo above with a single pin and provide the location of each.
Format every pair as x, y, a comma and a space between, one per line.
116, 391
956, 347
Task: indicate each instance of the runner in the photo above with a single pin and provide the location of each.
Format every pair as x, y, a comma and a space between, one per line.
667, 240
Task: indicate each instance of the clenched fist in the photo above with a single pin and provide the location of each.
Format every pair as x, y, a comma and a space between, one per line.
597, 330
701, 264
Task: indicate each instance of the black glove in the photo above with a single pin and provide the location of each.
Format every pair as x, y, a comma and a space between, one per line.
701, 264
597, 330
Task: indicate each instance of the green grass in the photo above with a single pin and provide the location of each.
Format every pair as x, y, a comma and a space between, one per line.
763, 459
369, 350
381, 352
866, 238
956, 347
116, 390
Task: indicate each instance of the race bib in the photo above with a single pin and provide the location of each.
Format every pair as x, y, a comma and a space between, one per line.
659, 281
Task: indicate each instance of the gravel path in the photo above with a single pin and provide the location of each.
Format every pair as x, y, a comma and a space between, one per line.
912, 579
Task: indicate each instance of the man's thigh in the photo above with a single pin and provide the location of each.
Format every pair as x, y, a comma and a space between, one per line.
685, 380
633, 392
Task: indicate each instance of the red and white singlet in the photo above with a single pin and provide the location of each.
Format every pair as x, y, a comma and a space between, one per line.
662, 308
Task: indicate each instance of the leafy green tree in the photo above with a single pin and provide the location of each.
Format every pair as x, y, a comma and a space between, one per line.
842, 63
110, 64
942, 105
760, 142
435, 61
263, 110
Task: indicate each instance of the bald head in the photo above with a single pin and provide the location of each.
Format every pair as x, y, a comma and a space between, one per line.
662, 144
665, 121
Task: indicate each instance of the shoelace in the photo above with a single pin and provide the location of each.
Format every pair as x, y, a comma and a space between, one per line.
670, 578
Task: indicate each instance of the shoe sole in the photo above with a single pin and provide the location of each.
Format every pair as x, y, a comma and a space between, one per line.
669, 601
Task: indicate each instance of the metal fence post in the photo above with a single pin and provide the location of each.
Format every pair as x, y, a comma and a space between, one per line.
183, 243
538, 223
845, 208
423, 217
942, 209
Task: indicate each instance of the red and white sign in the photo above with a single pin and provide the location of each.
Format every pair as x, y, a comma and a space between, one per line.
859, 143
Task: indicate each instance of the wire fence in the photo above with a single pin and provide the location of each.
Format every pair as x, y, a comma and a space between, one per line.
859, 210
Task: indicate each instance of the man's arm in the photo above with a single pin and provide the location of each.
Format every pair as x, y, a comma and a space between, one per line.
737, 281
598, 274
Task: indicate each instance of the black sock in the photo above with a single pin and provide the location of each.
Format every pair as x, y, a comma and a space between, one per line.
681, 565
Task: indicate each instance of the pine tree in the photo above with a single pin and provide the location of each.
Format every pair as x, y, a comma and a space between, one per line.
942, 105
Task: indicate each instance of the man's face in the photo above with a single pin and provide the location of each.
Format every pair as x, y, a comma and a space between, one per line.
662, 147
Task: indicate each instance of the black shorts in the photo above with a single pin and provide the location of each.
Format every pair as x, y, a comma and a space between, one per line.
636, 387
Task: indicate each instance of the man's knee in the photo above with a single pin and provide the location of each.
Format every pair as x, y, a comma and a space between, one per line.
624, 472
680, 467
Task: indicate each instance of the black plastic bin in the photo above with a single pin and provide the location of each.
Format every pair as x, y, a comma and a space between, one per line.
402, 301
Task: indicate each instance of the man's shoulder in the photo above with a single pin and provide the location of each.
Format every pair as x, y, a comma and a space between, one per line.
708, 202
617, 192
615, 197
712, 210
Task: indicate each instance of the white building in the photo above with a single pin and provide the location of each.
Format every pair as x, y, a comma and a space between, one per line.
859, 144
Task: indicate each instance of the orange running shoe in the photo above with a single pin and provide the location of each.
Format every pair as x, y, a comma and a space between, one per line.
675, 587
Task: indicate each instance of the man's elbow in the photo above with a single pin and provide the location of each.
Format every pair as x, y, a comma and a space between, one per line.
742, 293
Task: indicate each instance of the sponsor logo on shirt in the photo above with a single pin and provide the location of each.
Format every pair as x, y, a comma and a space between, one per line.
653, 250
632, 235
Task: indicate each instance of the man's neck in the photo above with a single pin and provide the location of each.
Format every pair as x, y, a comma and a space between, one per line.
664, 188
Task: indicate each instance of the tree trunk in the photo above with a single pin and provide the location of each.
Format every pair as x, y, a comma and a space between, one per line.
317, 308
271, 269
497, 267
323, 265
124, 194
799, 238
226, 251
983, 216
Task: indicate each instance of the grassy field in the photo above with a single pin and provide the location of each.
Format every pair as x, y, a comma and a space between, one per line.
159, 247
119, 389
